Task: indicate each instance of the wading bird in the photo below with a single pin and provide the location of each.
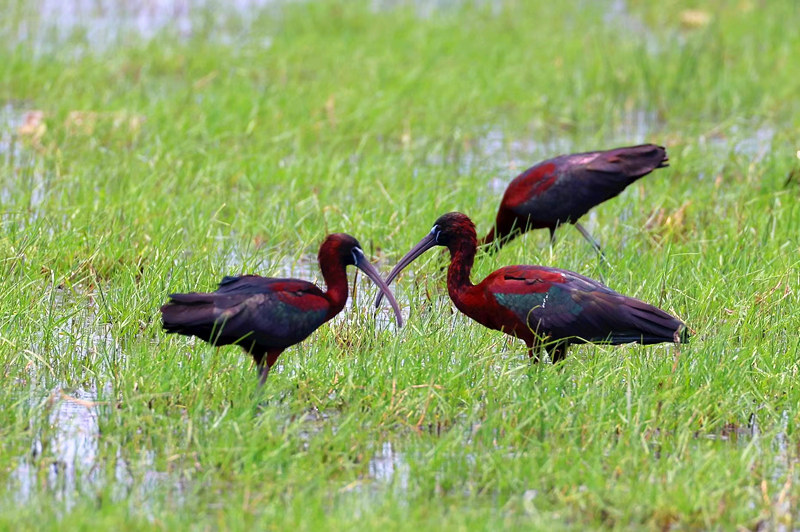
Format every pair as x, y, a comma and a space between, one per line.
545, 307
266, 315
561, 190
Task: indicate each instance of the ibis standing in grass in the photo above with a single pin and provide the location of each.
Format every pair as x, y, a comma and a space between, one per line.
545, 307
266, 315
561, 190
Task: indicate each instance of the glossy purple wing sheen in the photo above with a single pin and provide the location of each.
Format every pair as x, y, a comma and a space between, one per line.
563, 305
273, 313
562, 189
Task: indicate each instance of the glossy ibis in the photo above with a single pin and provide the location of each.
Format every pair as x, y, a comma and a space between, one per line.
561, 190
266, 315
545, 307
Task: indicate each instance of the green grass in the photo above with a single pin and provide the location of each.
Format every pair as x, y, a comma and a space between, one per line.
162, 164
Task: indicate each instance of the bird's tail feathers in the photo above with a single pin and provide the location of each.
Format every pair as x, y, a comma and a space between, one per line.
650, 325
632, 162
186, 312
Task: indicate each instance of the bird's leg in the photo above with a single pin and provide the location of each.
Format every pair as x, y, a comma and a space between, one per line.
265, 363
559, 352
595, 244
263, 373
261, 364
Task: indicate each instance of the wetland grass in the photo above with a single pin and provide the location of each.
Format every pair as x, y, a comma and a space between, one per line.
152, 159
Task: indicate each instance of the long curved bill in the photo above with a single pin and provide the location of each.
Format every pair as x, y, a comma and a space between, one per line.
365, 266
422, 246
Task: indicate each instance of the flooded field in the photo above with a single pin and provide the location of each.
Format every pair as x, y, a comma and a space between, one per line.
152, 148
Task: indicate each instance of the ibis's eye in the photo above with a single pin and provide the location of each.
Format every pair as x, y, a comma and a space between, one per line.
357, 254
435, 231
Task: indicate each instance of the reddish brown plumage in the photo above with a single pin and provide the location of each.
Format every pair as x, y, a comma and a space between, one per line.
266, 315
540, 305
562, 189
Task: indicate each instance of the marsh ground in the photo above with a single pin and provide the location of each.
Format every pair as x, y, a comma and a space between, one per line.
152, 148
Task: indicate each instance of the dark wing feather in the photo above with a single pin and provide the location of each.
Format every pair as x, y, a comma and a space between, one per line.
271, 313
582, 181
561, 304
254, 284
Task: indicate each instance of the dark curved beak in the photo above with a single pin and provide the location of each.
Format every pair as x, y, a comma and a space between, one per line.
422, 246
365, 266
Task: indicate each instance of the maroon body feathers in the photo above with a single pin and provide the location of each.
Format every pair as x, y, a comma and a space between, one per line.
266, 315
545, 307
562, 189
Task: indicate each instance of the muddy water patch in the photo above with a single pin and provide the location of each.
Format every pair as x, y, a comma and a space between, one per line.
242, 257
12, 117
722, 146
749, 140
64, 453
387, 473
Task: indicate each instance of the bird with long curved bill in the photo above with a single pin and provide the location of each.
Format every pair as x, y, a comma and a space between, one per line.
561, 190
544, 307
266, 315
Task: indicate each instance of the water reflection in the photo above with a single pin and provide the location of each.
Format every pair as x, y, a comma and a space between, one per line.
69, 458
74, 442
69, 448
24, 187
388, 465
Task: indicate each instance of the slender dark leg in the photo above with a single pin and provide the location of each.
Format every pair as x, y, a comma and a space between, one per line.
262, 368
590, 238
265, 364
592, 241
552, 236
263, 373
559, 352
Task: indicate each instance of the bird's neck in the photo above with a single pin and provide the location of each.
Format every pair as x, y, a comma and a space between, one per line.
506, 228
462, 257
336, 280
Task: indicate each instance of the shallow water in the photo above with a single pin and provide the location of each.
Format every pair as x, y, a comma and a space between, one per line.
71, 459
73, 442
69, 449
425, 9
389, 465
92, 26
23, 187
619, 16
12, 116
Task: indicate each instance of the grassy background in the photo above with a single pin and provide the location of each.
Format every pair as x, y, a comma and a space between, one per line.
162, 162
